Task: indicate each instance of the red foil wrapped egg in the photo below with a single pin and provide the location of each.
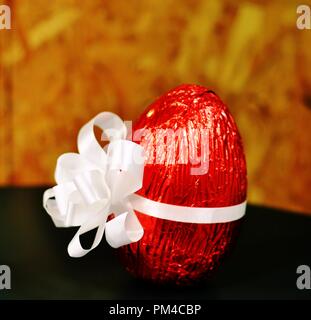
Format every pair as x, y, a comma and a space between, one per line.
177, 252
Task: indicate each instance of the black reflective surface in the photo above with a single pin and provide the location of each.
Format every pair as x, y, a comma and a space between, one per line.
263, 265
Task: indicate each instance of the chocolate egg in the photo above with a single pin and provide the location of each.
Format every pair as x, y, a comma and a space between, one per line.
194, 158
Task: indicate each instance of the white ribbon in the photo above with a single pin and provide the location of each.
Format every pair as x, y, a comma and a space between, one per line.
187, 214
96, 182
93, 184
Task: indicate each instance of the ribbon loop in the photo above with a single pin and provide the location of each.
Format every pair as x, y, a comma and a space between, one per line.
88, 146
92, 186
123, 229
75, 248
124, 175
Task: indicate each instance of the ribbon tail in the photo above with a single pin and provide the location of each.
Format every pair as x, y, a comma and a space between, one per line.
75, 248
123, 229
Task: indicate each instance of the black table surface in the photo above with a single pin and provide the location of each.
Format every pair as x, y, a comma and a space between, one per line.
271, 245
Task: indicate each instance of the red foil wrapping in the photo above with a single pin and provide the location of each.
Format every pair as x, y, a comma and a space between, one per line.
184, 253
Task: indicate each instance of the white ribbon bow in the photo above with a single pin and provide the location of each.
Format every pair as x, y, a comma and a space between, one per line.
94, 183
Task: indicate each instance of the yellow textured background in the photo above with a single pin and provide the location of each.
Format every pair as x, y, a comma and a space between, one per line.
65, 61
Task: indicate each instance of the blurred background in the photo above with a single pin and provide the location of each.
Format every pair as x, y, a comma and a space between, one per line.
64, 61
